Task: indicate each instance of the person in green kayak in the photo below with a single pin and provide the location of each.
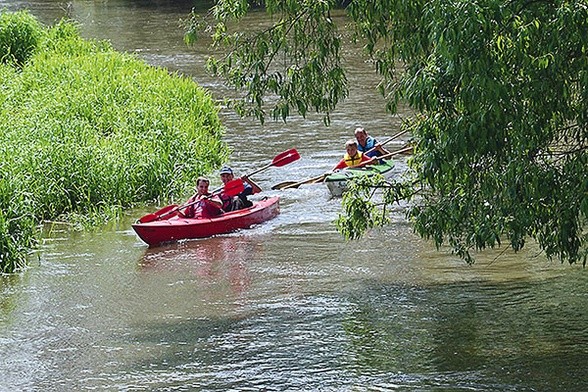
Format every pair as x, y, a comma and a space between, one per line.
240, 201
202, 205
368, 145
352, 156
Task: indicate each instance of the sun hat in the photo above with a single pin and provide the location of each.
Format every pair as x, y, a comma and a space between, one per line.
226, 170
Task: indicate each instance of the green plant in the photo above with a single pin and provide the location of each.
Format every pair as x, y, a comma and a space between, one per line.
20, 34
87, 131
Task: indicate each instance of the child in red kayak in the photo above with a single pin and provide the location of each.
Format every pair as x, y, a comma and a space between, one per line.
203, 205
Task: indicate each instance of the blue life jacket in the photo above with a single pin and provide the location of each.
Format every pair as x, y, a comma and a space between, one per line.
369, 144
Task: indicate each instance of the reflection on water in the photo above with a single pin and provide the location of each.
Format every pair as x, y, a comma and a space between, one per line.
210, 261
286, 305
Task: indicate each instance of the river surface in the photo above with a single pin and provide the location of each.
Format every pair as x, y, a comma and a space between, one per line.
287, 305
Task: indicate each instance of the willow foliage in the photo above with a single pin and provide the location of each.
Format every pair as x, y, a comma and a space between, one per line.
294, 63
500, 94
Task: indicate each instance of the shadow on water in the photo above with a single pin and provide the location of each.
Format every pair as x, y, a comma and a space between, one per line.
443, 337
475, 336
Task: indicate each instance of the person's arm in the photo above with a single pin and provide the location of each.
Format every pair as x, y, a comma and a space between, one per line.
377, 149
381, 149
254, 187
214, 201
365, 160
340, 165
188, 211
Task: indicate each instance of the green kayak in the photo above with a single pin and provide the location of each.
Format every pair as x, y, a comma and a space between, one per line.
337, 182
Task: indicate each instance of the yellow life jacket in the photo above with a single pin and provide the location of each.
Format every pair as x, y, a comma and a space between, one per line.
354, 160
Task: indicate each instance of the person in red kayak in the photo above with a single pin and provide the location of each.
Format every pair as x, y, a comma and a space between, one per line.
352, 156
202, 205
240, 201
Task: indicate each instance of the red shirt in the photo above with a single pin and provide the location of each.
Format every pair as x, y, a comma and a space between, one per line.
201, 209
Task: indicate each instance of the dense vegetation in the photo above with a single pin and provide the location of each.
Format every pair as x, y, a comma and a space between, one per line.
499, 91
86, 131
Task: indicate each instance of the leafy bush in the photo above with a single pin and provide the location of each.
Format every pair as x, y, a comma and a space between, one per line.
86, 131
20, 34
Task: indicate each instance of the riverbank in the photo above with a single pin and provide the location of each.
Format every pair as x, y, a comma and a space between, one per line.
88, 130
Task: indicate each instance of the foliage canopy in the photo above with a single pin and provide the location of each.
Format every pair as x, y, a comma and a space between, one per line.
500, 95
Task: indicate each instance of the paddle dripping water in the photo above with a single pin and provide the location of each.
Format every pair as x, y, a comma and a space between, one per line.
288, 304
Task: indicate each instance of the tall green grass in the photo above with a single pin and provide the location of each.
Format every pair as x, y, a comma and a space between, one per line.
20, 34
85, 130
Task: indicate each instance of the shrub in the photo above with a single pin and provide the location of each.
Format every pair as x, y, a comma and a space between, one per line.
20, 34
86, 131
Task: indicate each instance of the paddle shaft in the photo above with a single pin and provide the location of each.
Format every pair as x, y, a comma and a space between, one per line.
155, 215
387, 141
231, 188
281, 159
260, 169
182, 207
308, 181
189, 204
398, 152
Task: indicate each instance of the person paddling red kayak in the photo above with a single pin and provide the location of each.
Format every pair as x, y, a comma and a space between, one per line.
208, 205
169, 223
240, 201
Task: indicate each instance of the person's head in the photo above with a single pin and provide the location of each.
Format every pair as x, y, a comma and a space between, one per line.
361, 136
226, 174
202, 184
351, 147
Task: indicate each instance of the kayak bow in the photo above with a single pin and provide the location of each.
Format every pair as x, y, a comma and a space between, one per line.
337, 182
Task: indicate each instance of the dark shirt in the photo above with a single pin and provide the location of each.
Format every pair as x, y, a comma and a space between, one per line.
238, 202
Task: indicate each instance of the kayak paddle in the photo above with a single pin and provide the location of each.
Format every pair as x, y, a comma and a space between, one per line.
155, 216
313, 180
321, 178
387, 141
279, 160
372, 160
296, 184
231, 188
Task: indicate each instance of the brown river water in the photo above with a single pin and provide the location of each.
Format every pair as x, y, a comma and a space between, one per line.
288, 305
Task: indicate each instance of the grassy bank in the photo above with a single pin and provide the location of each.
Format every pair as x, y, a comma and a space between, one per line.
86, 130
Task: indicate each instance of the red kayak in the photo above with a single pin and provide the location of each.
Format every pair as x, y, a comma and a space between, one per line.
174, 228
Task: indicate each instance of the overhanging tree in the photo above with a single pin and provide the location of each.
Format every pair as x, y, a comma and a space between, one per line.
500, 95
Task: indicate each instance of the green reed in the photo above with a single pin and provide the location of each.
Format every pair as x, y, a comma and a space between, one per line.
86, 131
20, 34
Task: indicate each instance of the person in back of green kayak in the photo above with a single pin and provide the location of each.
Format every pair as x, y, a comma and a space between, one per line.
368, 145
352, 156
